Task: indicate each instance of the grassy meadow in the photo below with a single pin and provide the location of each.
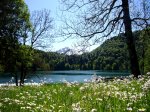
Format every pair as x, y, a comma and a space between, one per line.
126, 95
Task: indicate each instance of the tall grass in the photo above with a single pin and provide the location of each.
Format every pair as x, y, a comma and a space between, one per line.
112, 96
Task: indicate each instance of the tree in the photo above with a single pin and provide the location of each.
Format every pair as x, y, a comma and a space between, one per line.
41, 28
36, 37
144, 44
14, 16
99, 19
25, 59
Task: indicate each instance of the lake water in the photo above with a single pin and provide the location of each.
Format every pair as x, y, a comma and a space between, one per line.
61, 76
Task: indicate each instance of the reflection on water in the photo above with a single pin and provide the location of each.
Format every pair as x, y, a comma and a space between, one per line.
60, 76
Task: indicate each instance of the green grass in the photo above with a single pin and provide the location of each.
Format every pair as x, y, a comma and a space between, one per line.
112, 96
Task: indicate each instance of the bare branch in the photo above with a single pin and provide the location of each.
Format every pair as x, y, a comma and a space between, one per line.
98, 19
41, 25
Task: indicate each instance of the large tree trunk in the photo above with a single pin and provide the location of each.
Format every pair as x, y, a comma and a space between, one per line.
16, 79
22, 74
130, 39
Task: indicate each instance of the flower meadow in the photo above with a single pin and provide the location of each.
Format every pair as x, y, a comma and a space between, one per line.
116, 95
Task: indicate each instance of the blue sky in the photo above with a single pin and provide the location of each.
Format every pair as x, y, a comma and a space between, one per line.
54, 6
43, 4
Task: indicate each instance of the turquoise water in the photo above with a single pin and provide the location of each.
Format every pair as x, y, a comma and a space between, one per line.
60, 76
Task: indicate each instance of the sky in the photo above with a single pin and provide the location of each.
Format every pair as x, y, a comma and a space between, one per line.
54, 7
43, 4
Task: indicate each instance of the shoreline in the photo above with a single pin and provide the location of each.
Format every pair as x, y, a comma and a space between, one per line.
14, 84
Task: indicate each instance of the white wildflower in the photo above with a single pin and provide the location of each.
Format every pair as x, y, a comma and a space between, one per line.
148, 73
99, 99
23, 107
146, 86
129, 109
84, 97
76, 107
28, 107
1, 104
82, 88
142, 110
94, 110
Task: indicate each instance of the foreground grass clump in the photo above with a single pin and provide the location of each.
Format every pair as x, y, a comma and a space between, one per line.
112, 96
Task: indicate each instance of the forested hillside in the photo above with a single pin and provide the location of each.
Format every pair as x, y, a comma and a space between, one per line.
111, 55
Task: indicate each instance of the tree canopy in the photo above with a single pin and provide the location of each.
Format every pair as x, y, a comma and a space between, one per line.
14, 21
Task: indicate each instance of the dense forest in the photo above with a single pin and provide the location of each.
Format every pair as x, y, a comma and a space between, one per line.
111, 55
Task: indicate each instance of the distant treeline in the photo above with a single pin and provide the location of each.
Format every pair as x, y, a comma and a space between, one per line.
111, 55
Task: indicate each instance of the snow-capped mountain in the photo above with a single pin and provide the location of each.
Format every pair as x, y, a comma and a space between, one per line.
65, 50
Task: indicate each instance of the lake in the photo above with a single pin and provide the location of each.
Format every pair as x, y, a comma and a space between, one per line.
61, 76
